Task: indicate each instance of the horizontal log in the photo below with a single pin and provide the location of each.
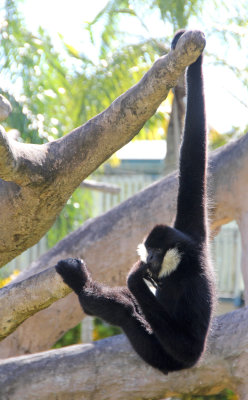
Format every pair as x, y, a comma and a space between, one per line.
110, 370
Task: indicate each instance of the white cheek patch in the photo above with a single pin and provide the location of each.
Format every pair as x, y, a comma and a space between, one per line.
171, 260
142, 252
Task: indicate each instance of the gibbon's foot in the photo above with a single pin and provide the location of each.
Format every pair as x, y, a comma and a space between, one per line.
74, 273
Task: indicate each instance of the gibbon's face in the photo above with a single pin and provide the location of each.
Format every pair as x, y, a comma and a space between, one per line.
159, 251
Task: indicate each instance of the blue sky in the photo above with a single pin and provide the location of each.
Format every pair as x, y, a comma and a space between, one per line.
67, 18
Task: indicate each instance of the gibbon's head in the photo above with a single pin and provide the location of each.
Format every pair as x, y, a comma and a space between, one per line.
159, 250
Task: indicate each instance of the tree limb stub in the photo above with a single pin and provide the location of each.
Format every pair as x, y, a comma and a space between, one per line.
18, 301
109, 369
100, 186
43, 177
108, 243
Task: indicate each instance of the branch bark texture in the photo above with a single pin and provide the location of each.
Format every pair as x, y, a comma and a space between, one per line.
37, 180
109, 369
108, 243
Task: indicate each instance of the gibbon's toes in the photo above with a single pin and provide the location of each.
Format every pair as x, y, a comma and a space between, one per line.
74, 273
65, 267
177, 36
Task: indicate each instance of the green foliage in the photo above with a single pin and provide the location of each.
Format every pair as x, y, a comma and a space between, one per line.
22, 121
73, 336
31, 62
111, 15
220, 139
178, 12
76, 211
58, 95
225, 395
174, 12
103, 330
102, 84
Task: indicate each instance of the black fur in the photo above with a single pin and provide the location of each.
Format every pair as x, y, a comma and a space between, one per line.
168, 329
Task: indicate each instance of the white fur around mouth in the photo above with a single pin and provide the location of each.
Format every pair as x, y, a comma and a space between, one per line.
171, 260
142, 252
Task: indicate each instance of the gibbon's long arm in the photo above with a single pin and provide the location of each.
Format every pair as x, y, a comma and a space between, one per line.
191, 202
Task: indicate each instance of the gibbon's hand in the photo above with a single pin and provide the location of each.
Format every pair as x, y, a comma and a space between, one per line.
139, 271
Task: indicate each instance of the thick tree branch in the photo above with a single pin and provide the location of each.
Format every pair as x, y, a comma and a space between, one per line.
109, 369
44, 176
108, 243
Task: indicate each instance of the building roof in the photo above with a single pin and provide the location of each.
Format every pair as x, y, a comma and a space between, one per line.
143, 150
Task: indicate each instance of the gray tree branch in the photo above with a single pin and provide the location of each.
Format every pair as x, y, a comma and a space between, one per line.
109, 369
43, 177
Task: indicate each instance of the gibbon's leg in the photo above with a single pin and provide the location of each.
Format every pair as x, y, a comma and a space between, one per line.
116, 306
148, 347
176, 341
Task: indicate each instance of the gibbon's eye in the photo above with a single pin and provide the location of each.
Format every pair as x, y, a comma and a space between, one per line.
159, 251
